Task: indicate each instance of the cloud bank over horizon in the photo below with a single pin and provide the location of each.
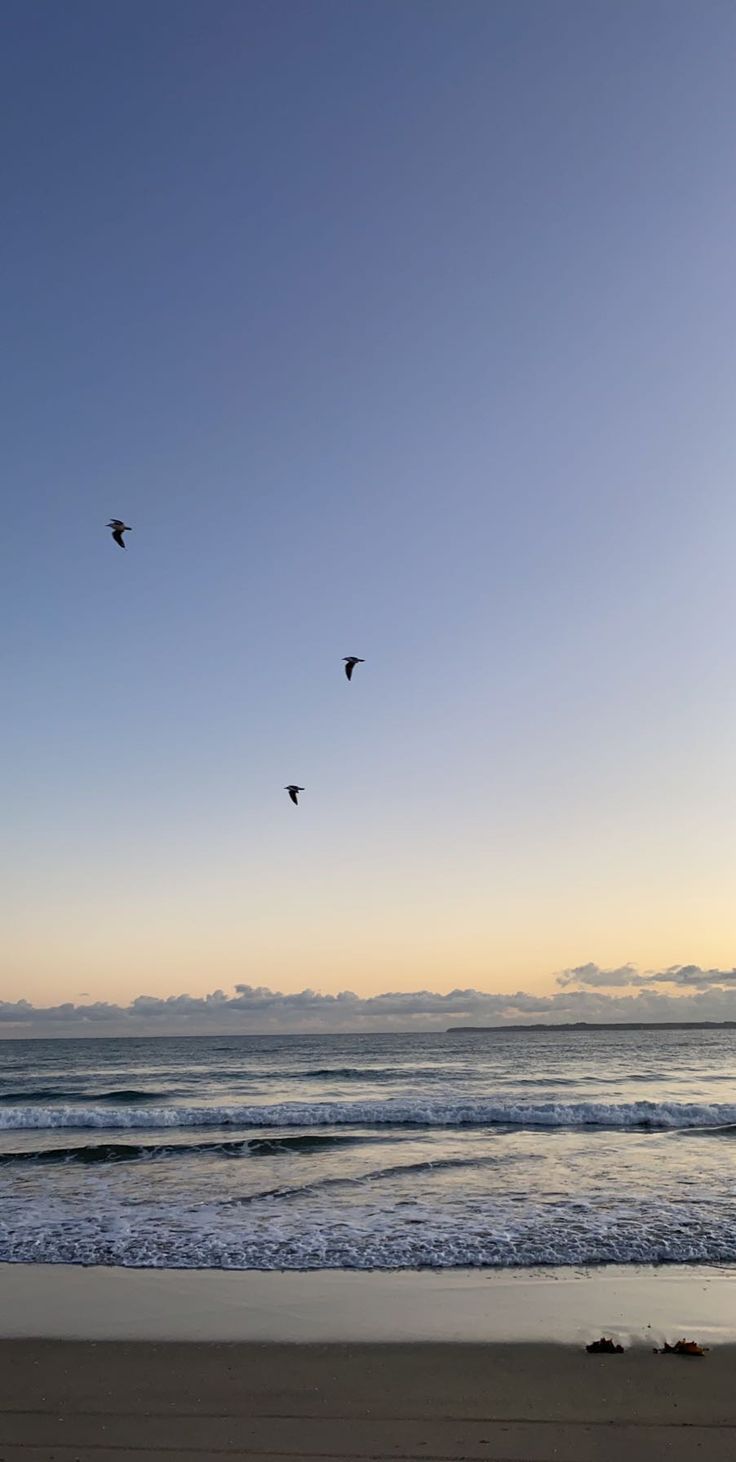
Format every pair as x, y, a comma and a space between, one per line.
695, 994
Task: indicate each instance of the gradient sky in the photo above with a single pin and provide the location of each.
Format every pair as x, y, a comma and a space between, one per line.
399, 328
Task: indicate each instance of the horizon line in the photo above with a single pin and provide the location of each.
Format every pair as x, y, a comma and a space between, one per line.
596, 1025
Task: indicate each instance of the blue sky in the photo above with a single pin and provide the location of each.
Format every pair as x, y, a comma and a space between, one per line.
398, 329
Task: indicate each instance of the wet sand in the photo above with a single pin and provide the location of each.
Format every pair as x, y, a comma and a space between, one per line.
67, 1401
635, 1305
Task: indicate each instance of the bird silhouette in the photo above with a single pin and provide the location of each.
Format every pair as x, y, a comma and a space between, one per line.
293, 792
118, 529
350, 663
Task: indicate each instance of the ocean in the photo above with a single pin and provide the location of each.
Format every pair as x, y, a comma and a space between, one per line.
576, 1147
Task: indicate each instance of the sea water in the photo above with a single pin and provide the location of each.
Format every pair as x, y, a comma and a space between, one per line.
504, 1147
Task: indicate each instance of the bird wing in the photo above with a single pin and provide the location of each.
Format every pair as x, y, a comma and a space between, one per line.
118, 536
292, 791
349, 668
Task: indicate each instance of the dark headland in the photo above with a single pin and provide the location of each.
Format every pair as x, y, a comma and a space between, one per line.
590, 1025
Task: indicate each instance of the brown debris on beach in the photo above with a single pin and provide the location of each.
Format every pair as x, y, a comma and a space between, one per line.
682, 1347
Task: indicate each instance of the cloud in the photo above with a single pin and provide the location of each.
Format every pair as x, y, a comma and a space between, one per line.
686, 976
583, 995
594, 975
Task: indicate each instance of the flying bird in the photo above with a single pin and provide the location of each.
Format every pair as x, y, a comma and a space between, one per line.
350, 663
118, 529
293, 792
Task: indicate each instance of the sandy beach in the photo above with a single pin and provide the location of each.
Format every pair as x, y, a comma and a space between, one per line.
81, 1402
238, 1366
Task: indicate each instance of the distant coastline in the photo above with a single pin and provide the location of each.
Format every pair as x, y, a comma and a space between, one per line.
11, 1036
594, 1025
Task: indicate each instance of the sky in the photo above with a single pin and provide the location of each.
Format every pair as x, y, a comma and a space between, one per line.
404, 329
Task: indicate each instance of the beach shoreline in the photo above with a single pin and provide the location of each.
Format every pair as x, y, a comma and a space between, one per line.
635, 1305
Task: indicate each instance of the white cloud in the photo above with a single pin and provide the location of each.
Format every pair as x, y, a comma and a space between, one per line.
694, 994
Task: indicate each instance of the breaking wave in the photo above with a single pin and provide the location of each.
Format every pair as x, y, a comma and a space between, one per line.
397, 1112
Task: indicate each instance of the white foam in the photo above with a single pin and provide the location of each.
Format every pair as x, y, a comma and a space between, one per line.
317, 1233
450, 1112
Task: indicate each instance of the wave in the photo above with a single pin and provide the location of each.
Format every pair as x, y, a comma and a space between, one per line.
303, 1142
728, 1129
59, 1094
361, 1073
394, 1112
340, 1073
115, 1152
357, 1180
108, 1152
